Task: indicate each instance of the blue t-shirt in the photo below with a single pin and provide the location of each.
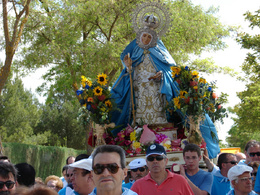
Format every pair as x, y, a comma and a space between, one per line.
221, 184
202, 179
128, 185
257, 181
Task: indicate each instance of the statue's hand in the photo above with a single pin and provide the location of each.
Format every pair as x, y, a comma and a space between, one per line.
128, 61
156, 77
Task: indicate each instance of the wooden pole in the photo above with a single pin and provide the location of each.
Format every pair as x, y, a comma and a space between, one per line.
131, 86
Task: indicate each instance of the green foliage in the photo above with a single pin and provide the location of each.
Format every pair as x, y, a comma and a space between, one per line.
247, 123
19, 114
59, 119
46, 160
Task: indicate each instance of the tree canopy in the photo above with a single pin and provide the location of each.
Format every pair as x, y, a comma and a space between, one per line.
247, 123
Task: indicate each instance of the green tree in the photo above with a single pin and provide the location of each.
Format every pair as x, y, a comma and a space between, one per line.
19, 114
60, 119
247, 123
13, 28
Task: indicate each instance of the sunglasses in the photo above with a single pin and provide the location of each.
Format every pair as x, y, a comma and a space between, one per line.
232, 162
8, 184
141, 169
69, 175
158, 158
253, 174
112, 168
252, 154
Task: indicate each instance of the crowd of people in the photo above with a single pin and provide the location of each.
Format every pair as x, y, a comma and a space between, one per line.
105, 172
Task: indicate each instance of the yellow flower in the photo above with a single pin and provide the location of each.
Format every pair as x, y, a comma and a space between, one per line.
85, 81
83, 78
132, 136
177, 102
103, 109
89, 82
201, 80
136, 145
97, 91
182, 94
168, 146
195, 74
175, 70
102, 79
108, 104
195, 87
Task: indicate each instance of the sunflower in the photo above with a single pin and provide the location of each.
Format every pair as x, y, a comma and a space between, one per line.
108, 103
175, 71
102, 79
177, 102
195, 74
182, 94
201, 80
97, 91
85, 81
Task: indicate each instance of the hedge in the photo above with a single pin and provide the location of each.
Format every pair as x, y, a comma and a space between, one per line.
47, 160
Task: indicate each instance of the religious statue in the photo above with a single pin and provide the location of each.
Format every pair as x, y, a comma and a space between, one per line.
145, 85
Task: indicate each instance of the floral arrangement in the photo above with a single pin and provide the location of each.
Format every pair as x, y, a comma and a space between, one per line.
197, 96
136, 140
96, 98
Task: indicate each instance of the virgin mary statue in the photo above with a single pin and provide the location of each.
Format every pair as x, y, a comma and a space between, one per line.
147, 70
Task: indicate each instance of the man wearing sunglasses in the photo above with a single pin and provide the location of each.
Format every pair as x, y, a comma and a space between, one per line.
241, 180
109, 171
252, 152
138, 170
199, 180
221, 184
8, 176
82, 180
160, 180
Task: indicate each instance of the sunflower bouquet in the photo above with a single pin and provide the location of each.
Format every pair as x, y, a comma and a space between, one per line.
197, 96
96, 98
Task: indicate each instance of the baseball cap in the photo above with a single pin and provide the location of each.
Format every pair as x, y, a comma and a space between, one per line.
155, 149
237, 170
82, 164
136, 163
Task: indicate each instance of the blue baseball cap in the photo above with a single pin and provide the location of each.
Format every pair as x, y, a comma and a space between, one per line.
155, 149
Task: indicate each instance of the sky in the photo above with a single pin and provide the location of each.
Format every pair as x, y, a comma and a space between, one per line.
230, 13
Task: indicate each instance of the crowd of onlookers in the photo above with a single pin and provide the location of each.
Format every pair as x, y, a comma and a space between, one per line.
105, 172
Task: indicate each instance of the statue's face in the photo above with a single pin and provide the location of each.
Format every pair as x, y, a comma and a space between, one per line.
146, 38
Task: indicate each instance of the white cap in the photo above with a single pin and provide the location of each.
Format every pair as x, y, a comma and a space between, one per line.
136, 163
82, 164
237, 170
